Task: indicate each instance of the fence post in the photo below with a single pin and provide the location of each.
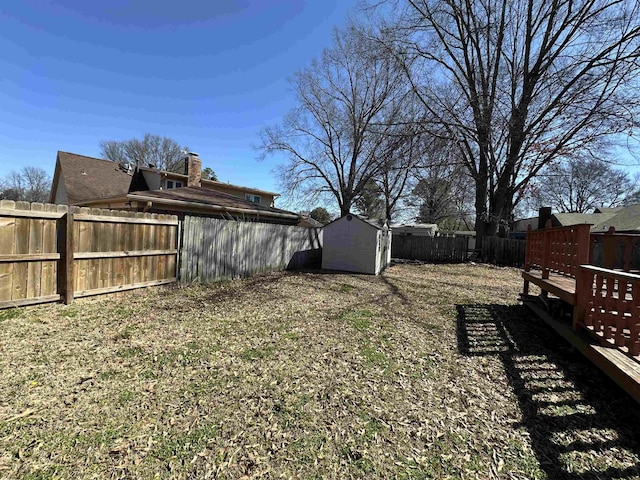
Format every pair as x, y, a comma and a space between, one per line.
65, 248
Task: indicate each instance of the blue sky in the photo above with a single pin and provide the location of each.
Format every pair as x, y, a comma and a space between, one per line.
209, 74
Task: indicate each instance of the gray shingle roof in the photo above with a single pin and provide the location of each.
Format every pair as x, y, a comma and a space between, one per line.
626, 219
206, 197
88, 178
566, 219
623, 219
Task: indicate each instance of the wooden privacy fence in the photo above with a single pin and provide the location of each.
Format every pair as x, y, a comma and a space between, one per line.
503, 251
213, 249
430, 249
54, 252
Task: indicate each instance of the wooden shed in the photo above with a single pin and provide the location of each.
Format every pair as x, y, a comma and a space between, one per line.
356, 244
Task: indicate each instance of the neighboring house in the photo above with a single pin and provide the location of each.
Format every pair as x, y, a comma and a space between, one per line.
566, 219
415, 229
92, 182
471, 234
523, 224
355, 244
623, 219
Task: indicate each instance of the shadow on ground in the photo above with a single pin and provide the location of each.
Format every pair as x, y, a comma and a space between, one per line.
581, 424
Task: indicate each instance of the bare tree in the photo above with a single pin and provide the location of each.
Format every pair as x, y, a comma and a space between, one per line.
31, 184
580, 185
162, 152
346, 104
406, 151
443, 193
518, 84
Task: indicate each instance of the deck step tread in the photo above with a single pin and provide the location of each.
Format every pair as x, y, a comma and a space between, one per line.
623, 370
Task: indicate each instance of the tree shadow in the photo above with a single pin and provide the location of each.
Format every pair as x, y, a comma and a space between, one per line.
570, 409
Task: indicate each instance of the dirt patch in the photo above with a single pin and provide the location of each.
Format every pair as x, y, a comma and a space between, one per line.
428, 371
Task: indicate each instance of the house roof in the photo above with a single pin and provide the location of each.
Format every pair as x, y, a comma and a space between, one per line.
607, 209
312, 222
566, 219
88, 178
208, 199
211, 183
625, 219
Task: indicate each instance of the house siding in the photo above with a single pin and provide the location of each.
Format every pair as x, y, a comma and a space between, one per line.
156, 180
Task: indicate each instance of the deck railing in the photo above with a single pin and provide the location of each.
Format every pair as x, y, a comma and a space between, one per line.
559, 249
615, 251
608, 304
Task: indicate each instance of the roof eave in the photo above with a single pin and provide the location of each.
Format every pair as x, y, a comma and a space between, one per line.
204, 206
209, 182
119, 198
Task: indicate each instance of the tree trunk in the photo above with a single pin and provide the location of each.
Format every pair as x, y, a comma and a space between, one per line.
482, 195
345, 207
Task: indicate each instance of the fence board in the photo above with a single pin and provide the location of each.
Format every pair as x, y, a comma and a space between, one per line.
48, 252
49, 268
7, 246
430, 249
113, 251
20, 269
125, 252
214, 249
504, 251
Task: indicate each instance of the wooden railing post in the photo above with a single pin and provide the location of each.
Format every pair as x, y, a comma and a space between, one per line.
609, 252
527, 259
546, 250
65, 267
583, 244
584, 283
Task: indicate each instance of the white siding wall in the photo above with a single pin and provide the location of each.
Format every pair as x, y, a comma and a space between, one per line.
350, 246
383, 258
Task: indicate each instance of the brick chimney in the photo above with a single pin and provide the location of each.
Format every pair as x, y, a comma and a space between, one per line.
544, 214
193, 170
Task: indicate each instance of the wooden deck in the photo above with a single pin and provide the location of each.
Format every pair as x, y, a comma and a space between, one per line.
561, 286
619, 367
604, 300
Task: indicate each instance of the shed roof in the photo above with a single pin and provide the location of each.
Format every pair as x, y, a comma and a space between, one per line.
377, 224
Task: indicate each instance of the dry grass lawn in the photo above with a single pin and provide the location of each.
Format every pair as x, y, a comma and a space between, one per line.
428, 371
